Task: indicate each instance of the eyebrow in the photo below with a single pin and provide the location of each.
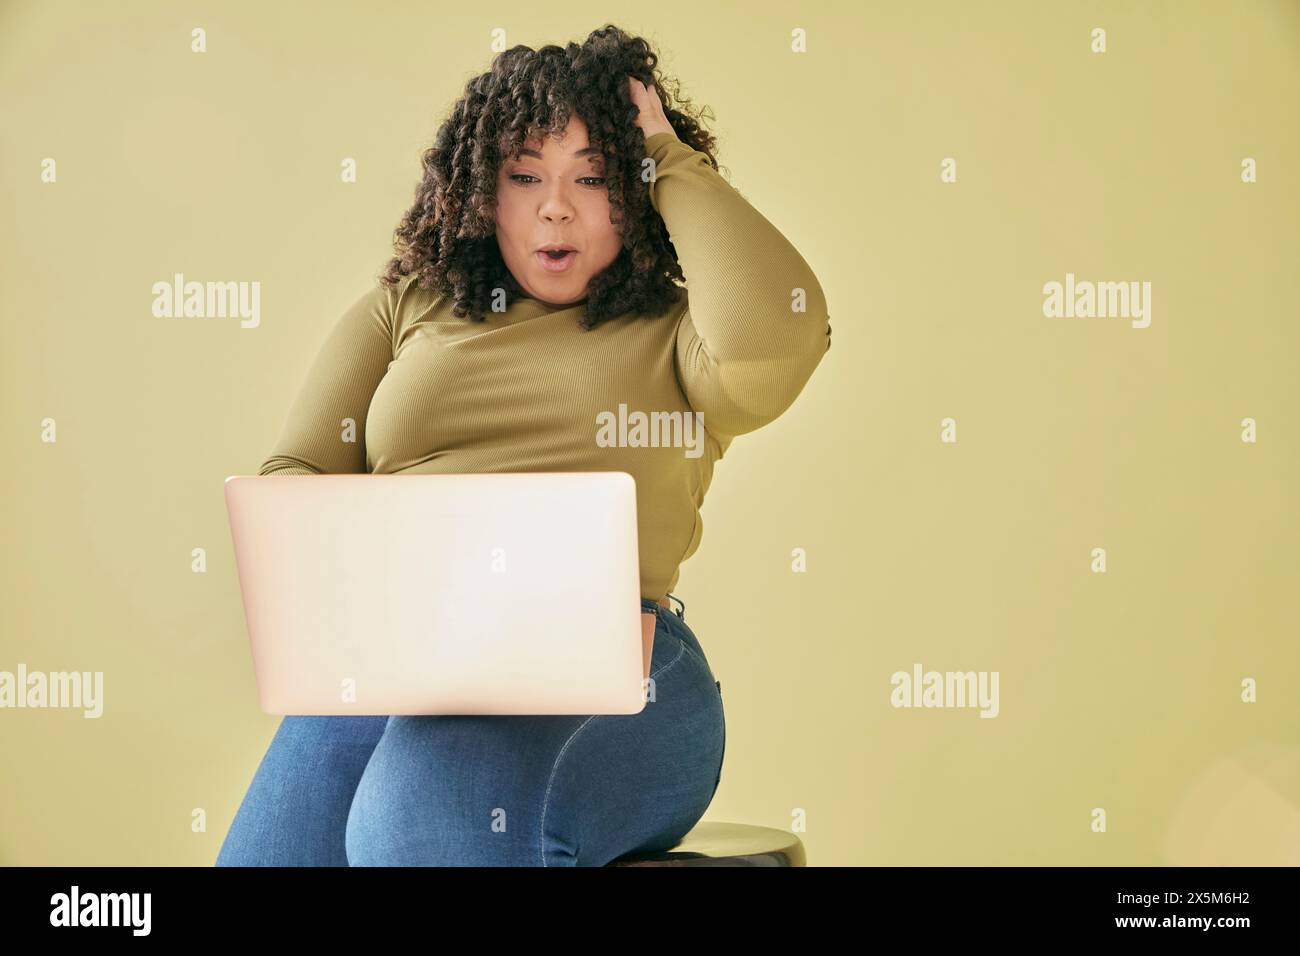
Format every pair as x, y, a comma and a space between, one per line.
589, 151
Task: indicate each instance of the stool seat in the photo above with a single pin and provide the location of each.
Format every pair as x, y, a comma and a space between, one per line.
724, 844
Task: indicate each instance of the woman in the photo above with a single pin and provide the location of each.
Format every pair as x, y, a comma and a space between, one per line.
534, 292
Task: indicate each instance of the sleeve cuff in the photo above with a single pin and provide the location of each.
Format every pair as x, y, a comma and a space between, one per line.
659, 140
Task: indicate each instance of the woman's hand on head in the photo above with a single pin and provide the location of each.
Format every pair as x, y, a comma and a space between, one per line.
650, 116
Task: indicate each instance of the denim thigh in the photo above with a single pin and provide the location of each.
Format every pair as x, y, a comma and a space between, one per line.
547, 790
296, 808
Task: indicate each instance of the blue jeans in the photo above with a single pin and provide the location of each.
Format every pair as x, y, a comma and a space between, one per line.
497, 790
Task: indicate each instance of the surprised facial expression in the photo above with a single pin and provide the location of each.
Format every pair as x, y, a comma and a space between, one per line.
554, 195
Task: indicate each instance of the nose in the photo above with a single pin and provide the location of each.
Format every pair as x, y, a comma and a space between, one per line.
556, 206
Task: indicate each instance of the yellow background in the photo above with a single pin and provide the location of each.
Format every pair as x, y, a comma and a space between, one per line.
1118, 690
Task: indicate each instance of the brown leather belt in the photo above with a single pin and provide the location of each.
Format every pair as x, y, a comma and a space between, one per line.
648, 624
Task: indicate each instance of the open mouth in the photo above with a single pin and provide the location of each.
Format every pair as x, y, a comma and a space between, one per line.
556, 260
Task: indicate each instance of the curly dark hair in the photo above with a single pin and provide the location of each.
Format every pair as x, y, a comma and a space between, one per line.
448, 236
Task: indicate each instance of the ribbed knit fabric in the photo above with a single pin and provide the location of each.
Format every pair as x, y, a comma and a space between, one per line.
429, 393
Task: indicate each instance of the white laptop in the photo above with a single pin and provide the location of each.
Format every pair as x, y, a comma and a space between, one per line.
442, 594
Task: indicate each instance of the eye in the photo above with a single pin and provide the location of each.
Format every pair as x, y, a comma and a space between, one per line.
594, 182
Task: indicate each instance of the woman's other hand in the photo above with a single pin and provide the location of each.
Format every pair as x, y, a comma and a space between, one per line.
650, 116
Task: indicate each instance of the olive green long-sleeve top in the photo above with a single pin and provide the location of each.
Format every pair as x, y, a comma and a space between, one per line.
401, 386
